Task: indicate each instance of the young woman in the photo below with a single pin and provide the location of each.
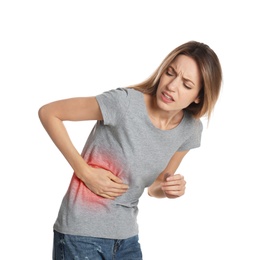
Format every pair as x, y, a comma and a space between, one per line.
141, 135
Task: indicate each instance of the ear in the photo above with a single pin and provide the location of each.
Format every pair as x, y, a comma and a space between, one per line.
197, 100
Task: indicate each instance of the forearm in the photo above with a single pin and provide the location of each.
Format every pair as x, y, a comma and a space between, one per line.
59, 135
159, 187
155, 190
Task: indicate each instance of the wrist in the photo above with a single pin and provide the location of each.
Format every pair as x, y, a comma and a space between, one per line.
156, 191
82, 170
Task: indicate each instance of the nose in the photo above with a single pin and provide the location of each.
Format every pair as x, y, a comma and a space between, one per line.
173, 84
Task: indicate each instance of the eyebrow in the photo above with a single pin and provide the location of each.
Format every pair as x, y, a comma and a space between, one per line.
185, 79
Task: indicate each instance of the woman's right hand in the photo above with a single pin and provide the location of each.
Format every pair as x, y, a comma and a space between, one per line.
104, 183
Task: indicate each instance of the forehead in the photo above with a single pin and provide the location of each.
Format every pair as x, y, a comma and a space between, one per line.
186, 66
186, 63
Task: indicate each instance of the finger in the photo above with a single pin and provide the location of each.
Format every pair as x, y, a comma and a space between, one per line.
174, 191
117, 183
110, 195
115, 192
174, 183
116, 187
172, 188
106, 196
174, 194
175, 180
115, 178
175, 177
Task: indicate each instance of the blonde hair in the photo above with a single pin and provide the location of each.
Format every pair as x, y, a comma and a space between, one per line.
210, 71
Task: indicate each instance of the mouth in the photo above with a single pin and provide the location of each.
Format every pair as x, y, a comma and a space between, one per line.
166, 97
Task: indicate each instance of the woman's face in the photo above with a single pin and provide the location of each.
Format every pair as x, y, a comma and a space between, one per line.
179, 85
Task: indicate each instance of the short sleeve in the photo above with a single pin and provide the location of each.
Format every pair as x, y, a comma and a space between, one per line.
113, 105
194, 139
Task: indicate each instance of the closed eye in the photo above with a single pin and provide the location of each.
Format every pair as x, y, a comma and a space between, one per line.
186, 86
170, 72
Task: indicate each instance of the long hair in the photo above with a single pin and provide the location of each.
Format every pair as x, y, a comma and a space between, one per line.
210, 71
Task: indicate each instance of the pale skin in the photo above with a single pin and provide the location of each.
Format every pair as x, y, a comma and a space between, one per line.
179, 87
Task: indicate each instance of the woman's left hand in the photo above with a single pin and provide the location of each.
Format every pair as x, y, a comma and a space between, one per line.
173, 186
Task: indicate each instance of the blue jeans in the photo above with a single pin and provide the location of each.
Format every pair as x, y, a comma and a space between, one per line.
68, 247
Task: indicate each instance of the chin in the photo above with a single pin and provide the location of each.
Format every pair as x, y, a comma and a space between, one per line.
162, 106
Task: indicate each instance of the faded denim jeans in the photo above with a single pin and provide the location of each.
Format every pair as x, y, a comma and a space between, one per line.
68, 247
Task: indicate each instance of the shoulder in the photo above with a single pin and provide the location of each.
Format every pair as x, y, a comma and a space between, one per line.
191, 127
147, 98
119, 93
194, 123
192, 131
115, 103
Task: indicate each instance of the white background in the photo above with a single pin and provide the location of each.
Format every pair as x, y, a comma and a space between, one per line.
52, 50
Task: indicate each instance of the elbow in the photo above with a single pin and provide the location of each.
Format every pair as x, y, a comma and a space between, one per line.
41, 113
44, 114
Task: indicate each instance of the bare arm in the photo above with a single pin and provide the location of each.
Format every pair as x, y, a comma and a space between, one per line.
52, 116
167, 184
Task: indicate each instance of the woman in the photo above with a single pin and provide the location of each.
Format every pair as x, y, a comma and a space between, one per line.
141, 135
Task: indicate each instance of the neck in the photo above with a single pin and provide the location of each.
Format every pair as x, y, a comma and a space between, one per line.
162, 119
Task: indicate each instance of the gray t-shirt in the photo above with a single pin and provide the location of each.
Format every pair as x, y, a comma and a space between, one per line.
126, 143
